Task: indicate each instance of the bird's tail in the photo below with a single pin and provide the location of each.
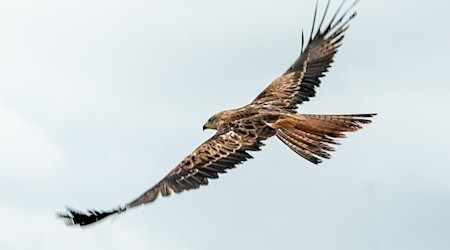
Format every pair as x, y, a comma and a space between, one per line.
311, 136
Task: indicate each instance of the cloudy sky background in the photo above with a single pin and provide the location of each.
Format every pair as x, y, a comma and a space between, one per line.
100, 99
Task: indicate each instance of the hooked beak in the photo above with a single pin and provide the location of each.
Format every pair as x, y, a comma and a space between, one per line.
207, 126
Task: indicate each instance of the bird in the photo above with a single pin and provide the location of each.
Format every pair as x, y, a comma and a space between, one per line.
272, 113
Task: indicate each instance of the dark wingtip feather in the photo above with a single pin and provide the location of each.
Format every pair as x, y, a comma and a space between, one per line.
323, 17
74, 217
366, 115
314, 160
314, 22
303, 41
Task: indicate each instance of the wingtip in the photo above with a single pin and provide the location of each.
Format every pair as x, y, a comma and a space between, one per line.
74, 217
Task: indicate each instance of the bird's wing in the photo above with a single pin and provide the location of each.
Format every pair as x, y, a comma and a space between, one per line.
213, 157
223, 151
298, 83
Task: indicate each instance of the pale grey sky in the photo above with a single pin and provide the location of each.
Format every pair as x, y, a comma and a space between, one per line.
100, 99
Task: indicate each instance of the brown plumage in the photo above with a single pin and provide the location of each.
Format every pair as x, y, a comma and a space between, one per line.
273, 112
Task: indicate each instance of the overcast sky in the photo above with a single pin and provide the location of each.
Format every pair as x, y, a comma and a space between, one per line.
100, 99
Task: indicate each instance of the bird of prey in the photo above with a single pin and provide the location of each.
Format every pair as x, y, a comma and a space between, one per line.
271, 113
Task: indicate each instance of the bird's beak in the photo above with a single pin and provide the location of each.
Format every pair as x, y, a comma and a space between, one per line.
207, 126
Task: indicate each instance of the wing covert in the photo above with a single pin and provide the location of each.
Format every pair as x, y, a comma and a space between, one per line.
213, 157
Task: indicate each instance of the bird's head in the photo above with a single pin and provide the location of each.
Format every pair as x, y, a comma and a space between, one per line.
215, 121
212, 123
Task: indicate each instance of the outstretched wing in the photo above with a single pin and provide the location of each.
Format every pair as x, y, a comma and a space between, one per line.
215, 156
298, 83
223, 151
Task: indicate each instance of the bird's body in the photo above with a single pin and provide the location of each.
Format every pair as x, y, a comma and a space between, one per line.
272, 113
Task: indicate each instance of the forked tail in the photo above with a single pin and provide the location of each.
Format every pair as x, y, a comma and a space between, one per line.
311, 136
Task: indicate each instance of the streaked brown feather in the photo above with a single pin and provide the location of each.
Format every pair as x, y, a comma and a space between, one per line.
298, 84
310, 136
223, 151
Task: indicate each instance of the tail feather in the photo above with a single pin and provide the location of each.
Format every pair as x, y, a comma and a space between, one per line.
301, 146
311, 136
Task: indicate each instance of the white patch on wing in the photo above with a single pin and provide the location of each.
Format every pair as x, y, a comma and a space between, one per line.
231, 134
